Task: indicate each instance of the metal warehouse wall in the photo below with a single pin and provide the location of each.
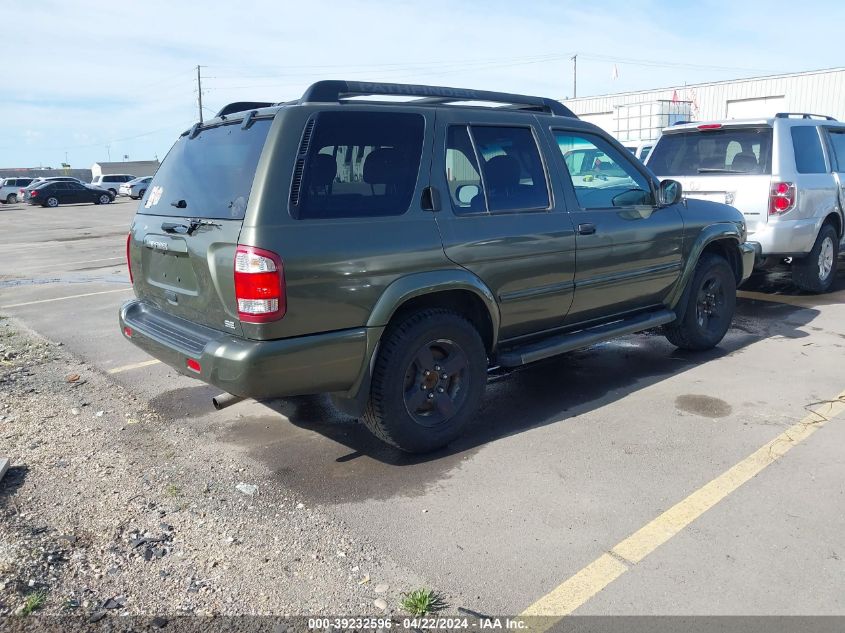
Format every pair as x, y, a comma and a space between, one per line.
818, 92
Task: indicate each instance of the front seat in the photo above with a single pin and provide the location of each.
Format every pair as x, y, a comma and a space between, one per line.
501, 177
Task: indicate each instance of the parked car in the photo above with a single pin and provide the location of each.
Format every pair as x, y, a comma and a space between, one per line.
111, 182
53, 193
391, 253
135, 188
23, 192
10, 188
785, 174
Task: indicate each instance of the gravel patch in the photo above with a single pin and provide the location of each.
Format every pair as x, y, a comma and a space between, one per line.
107, 509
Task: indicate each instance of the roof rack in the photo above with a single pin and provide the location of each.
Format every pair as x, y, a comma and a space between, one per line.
334, 91
240, 106
803, 115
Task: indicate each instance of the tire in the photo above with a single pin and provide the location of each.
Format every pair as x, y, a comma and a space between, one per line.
113, 193
52, 202
428, 381
817, 271
711, 302
141, 194
12, 198
104, 199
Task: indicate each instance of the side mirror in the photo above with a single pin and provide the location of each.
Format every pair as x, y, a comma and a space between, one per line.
465, 193
669, 192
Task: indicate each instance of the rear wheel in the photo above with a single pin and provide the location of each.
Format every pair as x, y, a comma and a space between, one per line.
428, 381
11, 198
710, 306
52, 202
816, 271
141, 194
113, 193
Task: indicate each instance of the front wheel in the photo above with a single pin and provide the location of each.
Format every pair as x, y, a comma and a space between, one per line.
11, 198
104, 199
816, 271
711, 301
428, 381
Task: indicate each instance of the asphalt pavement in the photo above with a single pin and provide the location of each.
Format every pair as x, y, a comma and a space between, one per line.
568, 458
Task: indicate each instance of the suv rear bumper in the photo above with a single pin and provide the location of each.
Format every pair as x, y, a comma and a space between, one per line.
301, 365
787, 237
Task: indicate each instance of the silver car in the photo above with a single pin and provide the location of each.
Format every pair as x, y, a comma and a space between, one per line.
136, 188
785, 174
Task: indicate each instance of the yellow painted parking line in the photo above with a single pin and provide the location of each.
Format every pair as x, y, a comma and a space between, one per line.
144, 363
585, 584
802, 301
87, 294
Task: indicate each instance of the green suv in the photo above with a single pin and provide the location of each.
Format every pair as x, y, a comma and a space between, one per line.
392, 252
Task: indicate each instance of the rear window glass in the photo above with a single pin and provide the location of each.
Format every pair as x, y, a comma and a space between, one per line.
724, 151
358, 164
809, 158
837, 142
212, 173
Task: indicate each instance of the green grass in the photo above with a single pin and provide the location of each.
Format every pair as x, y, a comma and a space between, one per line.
172, 490
33, 602
422, 601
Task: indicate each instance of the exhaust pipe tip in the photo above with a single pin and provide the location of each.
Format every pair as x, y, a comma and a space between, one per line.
225, 400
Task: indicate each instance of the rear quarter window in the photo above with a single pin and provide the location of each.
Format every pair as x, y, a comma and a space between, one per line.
737, 150
809, 157
358, 164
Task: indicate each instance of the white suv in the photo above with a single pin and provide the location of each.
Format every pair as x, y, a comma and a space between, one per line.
10, 187
785, 174
111, 182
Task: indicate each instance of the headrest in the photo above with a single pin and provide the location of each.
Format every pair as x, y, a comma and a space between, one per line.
502, 171
744, 161
383, 166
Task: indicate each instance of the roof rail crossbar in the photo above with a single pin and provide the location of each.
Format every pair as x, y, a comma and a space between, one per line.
803, 115
240, 106
333, 91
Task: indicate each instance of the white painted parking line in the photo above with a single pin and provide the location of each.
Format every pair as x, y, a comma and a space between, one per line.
87, 294
593, 578
123, 368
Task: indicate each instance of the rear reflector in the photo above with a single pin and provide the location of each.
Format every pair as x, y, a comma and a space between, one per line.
127, 331
193, 365
259, 285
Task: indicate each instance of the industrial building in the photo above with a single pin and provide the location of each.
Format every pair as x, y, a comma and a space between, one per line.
640, 115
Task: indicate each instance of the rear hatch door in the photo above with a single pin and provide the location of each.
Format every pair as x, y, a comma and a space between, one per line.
183, 240
730, 164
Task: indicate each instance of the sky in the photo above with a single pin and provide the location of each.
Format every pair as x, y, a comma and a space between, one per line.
90, 81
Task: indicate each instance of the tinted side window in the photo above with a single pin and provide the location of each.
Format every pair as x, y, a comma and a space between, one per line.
837, 142
511, 168
358, 164
809, 158
603, 178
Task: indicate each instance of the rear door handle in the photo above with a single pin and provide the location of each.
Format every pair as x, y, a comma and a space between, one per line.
587, 228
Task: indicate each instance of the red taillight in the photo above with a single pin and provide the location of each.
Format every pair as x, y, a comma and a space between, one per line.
193, 365
781, 198
710, 126
127, 331
128, 260
259, 285
33, 194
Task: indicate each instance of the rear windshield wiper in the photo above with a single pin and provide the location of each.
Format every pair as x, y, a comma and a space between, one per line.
195, 223
719, 170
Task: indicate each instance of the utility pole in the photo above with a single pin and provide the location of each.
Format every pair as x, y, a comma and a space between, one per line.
574, 75
199, 91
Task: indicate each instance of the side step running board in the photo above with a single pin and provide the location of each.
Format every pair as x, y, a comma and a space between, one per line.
582, 338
